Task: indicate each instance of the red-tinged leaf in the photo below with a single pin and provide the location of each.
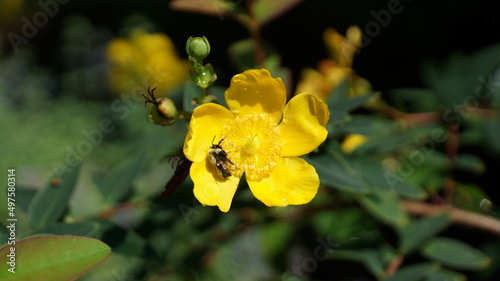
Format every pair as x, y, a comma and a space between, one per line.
52, 258
209, 7
266, 10
180, 174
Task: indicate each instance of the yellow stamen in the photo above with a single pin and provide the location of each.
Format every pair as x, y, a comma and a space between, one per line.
253, 144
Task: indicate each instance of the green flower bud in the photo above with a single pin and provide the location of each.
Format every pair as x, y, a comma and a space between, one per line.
198, 48
162, 111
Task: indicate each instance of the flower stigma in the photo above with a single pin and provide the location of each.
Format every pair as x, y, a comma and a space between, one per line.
253, 143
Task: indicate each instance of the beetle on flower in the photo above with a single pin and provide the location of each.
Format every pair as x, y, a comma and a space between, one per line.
262, 137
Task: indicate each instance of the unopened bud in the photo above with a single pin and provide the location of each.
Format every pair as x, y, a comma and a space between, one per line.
164, 112
198, 48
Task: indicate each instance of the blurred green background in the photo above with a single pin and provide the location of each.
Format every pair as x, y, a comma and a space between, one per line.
69, 93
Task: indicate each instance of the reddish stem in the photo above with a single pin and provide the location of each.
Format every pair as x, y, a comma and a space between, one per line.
451, 152
253, 26
466, 218
394, 265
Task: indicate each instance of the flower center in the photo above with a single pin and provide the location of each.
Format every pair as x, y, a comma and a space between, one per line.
253, 144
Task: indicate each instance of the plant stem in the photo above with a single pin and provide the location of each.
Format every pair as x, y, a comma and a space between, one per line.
260, 55
185, 115
253, 27
394, 265
203, 93
458, 216
451, 152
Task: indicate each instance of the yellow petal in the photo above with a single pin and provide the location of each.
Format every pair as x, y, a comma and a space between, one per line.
354, 36
209, 188
303, 125
342, 49
206, 123
119, 51
292, 182
312, 81
351, 142
255, 91
335, 75
333, 42
360, 86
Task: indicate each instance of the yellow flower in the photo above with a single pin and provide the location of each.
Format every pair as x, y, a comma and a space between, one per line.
322, 81
11, 10
342, 49
332, 72
144, 59
262, 137
351, 142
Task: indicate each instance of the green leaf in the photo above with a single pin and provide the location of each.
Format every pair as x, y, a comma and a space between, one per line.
446, 274
275, 237
374, 263
131, 244
349, 104
369, 125
380, 178
339, 117
53, 258
455, 254
385, 206
4, 234
470, 163
372, 259
338, 100
337, 173
383, 143
49, 203
492, 136
344, 224
471, 197
418, 231
218, 92
24, 197
191, 91
455, 81
337, 95
78, 229
118, 181
120, 267
415, 99
265, 11
414, 272
242, 54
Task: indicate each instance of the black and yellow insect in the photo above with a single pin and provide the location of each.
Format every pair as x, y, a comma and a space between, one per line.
219, 159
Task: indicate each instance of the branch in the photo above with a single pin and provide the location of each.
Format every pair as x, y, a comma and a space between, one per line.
253, 26
451, 152
394, 265
461, 217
